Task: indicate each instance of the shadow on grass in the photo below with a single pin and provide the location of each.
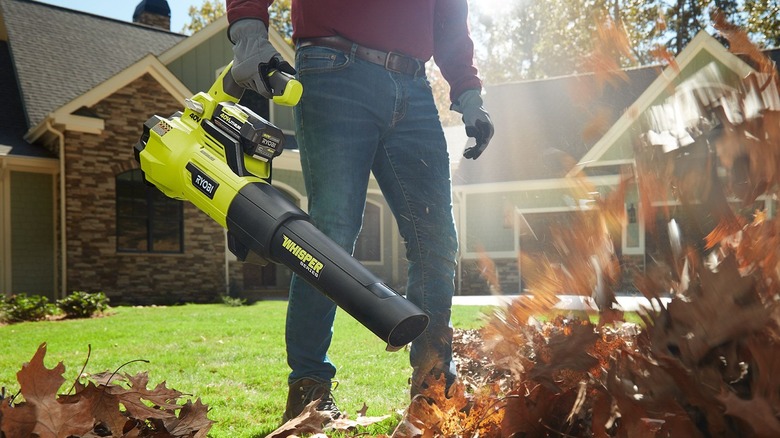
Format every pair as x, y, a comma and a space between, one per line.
263, 433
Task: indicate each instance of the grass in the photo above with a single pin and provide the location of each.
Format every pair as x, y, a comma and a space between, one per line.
231, 357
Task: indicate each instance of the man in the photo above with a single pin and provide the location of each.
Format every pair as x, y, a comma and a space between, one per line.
367, 107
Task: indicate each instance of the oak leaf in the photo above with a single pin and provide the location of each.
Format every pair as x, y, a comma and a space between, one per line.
39, 386
310, 421
19, 420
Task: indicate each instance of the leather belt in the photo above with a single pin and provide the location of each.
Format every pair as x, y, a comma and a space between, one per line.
391, 61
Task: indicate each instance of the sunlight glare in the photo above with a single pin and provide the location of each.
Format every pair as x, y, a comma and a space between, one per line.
493, 8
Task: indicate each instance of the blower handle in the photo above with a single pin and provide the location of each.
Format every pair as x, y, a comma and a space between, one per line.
286, 90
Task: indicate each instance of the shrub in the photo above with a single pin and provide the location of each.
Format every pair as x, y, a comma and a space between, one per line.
83, 304
233, 302
20, 307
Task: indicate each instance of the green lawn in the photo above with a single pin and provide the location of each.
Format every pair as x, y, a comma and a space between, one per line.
231, 357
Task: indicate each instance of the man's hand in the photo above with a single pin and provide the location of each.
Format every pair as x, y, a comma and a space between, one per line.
477, 120
254, 56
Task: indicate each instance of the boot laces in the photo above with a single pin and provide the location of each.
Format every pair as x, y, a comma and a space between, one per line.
327, 402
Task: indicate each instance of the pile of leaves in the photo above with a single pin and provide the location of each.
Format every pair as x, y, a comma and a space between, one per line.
705, 363
107, 405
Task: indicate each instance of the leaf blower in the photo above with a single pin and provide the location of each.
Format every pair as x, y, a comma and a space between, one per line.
217, 154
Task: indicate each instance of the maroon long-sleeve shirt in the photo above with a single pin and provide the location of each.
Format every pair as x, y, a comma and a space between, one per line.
418, 28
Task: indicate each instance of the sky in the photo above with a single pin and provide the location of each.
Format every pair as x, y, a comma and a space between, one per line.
123, 10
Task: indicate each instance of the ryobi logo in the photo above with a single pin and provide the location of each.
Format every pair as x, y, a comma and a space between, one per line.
202, 182
308, 261
268, 142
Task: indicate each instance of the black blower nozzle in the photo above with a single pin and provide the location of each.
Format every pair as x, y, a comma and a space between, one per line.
277, 230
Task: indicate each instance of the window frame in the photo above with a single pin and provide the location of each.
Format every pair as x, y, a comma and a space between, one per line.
153, 222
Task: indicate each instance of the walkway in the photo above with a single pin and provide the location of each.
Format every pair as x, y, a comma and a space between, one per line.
568, 302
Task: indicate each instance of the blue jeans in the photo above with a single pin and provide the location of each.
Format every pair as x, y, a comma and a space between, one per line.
356, 118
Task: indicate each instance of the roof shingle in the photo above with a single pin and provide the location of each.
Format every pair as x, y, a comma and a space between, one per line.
12, 123
60, 54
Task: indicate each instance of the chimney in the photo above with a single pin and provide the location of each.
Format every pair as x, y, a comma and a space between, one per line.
154, 13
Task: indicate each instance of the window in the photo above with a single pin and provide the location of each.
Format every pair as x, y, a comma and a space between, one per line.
146, 219
369, 243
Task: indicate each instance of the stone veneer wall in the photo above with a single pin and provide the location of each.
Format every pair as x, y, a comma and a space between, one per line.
473, 283
92, 164
630, 267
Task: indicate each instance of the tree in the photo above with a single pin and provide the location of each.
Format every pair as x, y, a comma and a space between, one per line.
279, 18
208, 12
762, 21
686, 18
211, 10
441, 95
505, 43
544, 38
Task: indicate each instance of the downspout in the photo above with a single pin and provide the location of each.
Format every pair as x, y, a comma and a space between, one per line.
63, 231
227, 267
5, 232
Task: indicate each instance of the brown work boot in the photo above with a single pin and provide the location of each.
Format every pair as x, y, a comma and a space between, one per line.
304, 391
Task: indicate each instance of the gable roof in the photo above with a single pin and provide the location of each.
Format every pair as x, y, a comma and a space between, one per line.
543, 127
702, 43
68, 114
12, 123
60, 54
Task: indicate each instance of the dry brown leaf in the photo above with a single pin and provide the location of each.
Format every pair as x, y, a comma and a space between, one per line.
360, 421
94, 411
488, 271
310, 421
39, 386
192, 417
18, 420
756, 412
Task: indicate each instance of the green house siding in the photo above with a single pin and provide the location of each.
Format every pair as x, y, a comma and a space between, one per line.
623, 148
485, 228
197, 68
282, 116
32, 236
490, 218
291, 178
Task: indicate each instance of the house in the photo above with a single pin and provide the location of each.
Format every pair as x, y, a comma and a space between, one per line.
550, 130
74, 211
507, 196
76, 215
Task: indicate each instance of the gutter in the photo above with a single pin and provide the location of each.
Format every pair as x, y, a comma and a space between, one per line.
63, 231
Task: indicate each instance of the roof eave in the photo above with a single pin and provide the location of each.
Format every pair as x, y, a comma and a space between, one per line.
64, 118
22, 163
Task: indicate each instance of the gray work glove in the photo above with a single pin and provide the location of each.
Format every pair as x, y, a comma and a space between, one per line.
477, 120
254, 56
